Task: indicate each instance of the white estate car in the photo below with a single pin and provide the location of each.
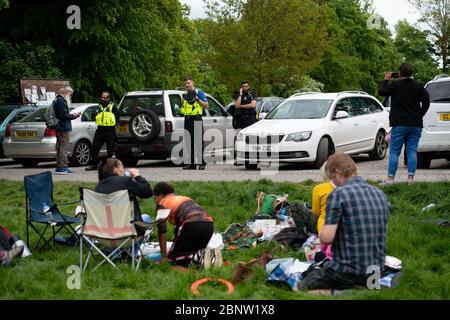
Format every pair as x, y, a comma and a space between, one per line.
435, 141
308, 127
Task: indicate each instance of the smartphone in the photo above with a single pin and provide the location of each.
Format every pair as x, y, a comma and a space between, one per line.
395, 75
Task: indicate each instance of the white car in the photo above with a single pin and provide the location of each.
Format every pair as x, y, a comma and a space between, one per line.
309, 127
435, 141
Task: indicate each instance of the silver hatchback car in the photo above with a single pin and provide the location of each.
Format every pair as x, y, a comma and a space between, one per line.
30, 142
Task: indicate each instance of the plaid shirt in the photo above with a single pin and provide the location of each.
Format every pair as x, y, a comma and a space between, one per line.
361, 212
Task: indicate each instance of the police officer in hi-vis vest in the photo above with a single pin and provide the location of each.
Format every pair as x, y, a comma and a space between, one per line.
105, 118
194, 101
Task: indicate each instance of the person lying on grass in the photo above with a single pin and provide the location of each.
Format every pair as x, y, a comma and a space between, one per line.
111, 176
193, 225
355, 223
319, 203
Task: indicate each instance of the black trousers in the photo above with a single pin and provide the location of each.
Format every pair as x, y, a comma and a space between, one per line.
327, 278
193, 237
194, 147
103, 135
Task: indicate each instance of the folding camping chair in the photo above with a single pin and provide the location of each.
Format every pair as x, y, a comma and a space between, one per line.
40, 209
108, 220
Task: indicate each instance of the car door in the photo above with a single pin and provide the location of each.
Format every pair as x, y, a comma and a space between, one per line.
366, 125
344, 130
216, 119
88, 122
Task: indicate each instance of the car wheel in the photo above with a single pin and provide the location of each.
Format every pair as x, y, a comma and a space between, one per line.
423, 160
128, 161
28, 163
81, 155
323, 152
145, 125
251, 166
380, 148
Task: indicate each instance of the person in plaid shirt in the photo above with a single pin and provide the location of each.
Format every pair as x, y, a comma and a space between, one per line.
355, 224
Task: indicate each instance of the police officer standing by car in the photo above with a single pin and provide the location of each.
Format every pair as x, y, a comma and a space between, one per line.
194, 101
245, 113
105, 118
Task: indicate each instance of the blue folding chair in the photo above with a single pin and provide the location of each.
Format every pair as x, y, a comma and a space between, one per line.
40, 209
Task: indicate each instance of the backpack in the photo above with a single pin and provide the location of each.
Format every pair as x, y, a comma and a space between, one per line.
5, 239
305, 220
291, 237
51, 121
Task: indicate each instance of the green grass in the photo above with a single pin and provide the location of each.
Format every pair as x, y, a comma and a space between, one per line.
423, 248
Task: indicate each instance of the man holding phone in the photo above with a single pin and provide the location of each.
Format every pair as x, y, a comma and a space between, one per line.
410, 102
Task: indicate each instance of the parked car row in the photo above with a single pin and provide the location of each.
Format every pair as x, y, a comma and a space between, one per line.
306, 127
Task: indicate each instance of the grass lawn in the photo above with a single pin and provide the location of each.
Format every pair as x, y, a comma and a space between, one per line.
423, 248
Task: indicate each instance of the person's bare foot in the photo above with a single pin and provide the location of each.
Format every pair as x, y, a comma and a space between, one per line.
411, 180
389, 181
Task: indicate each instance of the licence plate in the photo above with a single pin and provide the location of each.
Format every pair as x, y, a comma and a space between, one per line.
262, 148
445, 116
123, 127
136, 150
26, 134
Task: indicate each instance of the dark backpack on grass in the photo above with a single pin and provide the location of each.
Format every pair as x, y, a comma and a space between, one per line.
5, 239
291, 237
305, 220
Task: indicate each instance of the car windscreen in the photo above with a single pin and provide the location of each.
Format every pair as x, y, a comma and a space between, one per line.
36, 116
439, 91
301, 109
130, 105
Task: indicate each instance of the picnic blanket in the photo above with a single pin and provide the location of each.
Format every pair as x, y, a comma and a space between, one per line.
239, 236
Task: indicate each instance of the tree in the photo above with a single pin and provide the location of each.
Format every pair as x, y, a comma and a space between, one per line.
415, 48
359, 54
265, 41
436, 15
122, 45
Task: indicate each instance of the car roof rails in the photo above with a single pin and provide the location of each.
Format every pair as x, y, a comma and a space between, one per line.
354, 92
299, 94
441, 76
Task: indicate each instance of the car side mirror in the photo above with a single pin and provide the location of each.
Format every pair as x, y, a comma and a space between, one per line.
262, 116
341, 115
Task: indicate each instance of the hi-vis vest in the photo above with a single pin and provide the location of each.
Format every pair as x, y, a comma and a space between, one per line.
105, 116
191, 109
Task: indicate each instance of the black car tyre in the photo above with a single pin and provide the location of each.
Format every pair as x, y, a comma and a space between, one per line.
323, 152
127, 160
251, 166
423, 160
28, 163
145, 125
82, 153
380, 149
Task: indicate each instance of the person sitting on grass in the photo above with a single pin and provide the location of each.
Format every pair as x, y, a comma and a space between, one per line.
355, 223
194, 227
111, 176
319, 203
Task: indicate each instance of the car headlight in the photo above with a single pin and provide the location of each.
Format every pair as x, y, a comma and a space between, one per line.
240, 137
300, 136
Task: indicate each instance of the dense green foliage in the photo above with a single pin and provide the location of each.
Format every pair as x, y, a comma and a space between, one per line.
280, 46
421, 245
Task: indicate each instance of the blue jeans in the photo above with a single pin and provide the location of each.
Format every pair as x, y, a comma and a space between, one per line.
399, 136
